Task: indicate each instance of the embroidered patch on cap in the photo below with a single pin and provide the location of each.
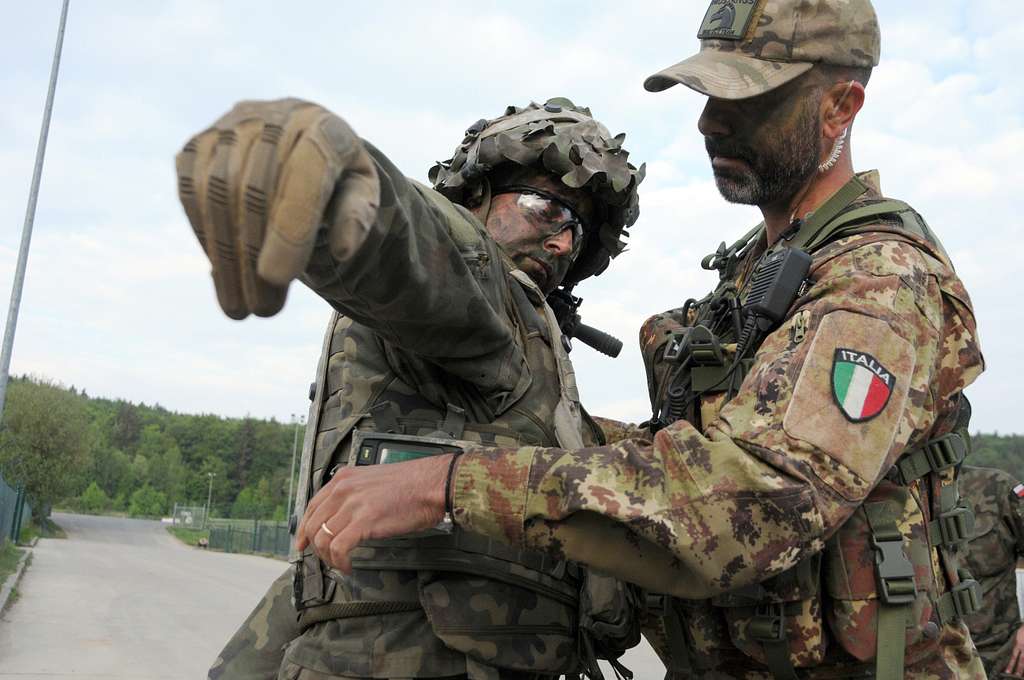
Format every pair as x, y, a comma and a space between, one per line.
727, 19
1018, 491
861, 386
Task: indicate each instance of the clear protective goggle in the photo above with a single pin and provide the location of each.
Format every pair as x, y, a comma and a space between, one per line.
548, 213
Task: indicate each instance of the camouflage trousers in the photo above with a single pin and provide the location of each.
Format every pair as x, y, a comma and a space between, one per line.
270, 644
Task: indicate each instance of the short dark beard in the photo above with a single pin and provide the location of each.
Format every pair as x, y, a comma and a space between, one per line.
779, 165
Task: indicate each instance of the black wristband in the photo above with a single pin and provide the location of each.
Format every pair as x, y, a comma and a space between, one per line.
448, 510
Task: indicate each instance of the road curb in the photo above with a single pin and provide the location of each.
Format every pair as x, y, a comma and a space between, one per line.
12, 580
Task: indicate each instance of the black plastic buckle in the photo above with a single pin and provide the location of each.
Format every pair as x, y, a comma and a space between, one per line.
894, 572
656, 604
956, 525
768, 623
697, 343
946, 451
676, 345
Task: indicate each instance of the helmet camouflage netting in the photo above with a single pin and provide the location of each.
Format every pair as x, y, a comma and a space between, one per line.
564, 140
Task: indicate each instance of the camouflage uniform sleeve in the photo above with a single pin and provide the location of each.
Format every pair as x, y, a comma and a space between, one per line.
697, 513
421, 288
616, 430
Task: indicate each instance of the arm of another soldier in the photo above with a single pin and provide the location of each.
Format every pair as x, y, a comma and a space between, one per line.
1013, 517
276, 190
790, 458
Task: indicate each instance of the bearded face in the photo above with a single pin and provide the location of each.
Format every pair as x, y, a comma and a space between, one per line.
764, 149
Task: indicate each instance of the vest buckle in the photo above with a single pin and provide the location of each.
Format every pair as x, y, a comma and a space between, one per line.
894, 572
768, 623
953, 526
945, 451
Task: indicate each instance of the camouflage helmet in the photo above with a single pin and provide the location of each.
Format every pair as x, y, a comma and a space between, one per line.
561, 139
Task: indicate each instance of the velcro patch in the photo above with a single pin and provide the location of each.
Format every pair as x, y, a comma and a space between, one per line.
816, 415
727, 19
1018, 491
861, 385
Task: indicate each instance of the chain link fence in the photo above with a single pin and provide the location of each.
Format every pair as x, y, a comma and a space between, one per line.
15, 511
250, 536
189, 516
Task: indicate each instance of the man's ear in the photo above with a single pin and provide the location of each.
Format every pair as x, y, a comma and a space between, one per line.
840, 105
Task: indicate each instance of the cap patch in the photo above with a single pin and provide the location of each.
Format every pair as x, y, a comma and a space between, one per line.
727, 19
860, 384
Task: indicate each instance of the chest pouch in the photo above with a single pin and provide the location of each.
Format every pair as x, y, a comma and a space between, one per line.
880, 580
778, 622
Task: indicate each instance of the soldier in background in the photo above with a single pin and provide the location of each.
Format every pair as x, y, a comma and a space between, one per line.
441, 328
797, 494
991, 555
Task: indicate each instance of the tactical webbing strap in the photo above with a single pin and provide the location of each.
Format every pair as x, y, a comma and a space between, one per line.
953, 526
467, 553
962, 600
814, 228
355, 608
936, 455
768, 626
897, 588
661, 606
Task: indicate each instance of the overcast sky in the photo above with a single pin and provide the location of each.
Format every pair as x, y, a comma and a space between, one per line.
118, 299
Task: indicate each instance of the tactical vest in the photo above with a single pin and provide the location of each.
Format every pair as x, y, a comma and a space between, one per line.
879, 589
363, 383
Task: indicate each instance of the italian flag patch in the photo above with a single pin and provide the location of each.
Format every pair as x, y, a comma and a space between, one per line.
860, 384
1018, 491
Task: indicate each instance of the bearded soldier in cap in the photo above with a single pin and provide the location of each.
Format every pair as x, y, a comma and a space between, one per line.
795, 491
441, 331
995, 546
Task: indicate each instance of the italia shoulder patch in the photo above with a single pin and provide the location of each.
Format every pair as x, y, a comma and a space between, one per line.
861, 385
1018, 491
727, 19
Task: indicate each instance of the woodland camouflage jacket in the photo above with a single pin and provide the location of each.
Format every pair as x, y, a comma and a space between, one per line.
992, 558
432, 321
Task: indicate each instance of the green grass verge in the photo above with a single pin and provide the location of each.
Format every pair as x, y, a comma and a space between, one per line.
9, 557
189, 536
46, 529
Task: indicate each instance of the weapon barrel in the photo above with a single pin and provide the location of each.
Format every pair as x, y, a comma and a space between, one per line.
599, 340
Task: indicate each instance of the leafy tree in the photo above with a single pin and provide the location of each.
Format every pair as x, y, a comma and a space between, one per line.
94, 499
44, 443
147, 502
127, 427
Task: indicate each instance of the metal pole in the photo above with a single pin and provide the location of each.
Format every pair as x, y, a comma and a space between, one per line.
209, 494
291, 477
30, 214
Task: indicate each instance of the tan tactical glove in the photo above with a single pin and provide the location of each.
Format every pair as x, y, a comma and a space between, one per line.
259, 185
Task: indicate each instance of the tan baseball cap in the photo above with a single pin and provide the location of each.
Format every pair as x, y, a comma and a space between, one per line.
748, 47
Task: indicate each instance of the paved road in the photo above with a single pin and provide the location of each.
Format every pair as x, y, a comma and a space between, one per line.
122, 599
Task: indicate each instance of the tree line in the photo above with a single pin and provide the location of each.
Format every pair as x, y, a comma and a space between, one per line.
102, 455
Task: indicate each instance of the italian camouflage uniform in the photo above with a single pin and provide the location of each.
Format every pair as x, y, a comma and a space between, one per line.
436, 333
793, 480
992, 556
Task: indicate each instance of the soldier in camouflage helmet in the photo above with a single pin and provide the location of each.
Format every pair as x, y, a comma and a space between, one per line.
795, 493
991, 555
441, 328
